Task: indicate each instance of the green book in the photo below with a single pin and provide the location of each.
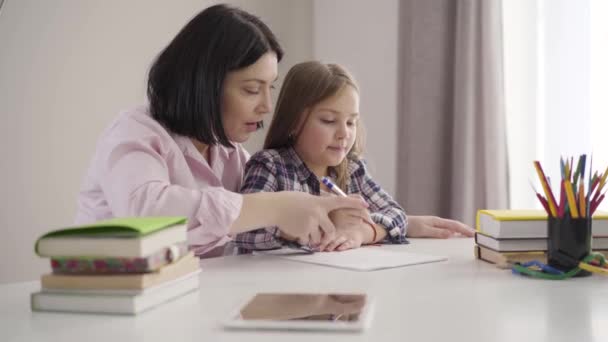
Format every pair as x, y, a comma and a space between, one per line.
117, 237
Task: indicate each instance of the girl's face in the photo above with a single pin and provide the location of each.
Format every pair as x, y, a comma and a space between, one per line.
329, 131
246, 97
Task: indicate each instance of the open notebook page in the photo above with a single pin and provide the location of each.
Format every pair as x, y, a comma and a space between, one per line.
361, 259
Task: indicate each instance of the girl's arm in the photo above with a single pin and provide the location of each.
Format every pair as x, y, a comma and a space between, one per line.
391, 220
259, 177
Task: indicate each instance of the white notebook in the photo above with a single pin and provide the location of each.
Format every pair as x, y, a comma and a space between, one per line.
360, 259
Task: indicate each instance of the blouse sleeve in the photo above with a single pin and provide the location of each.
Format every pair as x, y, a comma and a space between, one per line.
134, 175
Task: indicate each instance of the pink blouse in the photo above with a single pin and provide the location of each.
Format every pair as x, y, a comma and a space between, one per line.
141, 169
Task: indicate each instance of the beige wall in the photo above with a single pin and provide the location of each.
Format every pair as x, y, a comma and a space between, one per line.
362, 35
67, 67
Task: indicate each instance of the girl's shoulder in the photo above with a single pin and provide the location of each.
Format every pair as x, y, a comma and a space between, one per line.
272, 159
356, 167
266, 157
280, 160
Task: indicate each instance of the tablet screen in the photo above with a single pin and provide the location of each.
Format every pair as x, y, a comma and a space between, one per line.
304, 307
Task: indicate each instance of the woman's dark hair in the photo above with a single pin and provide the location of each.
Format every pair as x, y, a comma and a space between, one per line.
185, 81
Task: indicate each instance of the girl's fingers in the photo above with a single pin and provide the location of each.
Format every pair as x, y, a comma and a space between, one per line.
335, 243
455, 226
437, 233
348, 244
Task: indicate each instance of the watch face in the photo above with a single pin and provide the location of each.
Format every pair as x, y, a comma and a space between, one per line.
311, 307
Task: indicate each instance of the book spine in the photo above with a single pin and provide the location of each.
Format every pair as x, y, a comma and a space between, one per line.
111, 265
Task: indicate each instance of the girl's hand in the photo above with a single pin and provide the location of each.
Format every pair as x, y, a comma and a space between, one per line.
348, 216
436, 227
346, 239
305, 217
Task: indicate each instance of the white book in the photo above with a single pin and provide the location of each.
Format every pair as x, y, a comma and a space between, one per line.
115, 246
360, 259
523, 245
113, 301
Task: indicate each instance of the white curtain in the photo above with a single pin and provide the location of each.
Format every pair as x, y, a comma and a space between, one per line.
555, 58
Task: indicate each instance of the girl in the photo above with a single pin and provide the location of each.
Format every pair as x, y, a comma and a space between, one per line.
315, 133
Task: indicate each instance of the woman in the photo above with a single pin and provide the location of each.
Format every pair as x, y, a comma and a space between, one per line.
208, 90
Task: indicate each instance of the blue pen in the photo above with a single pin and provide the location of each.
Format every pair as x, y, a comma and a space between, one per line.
333, 187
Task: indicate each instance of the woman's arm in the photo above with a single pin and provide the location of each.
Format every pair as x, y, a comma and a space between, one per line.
297, 214
135, 178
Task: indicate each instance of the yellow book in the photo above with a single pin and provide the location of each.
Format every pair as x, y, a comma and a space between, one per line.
526, 223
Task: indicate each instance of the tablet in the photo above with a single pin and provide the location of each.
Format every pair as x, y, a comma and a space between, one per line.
345, 312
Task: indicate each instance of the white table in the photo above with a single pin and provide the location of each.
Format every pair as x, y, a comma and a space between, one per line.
462, 299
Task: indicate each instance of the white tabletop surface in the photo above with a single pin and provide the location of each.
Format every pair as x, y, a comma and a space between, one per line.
462, 299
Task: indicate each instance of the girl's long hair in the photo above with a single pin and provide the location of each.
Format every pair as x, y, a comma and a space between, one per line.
305, 85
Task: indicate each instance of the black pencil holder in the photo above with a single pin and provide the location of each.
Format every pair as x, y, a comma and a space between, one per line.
569, 242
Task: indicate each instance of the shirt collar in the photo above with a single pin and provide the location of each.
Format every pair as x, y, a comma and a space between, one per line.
187, 147
302, 170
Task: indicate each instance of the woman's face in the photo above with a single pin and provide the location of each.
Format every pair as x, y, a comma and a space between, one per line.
246, 97
329, 131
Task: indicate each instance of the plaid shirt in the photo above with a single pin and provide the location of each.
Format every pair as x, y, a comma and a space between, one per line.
282, 169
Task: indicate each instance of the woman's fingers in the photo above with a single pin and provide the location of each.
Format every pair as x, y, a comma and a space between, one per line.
304, 241
315, 237
332, 203
328, 230
325, 241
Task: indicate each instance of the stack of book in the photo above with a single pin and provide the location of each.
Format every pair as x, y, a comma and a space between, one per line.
507, 236
117, 266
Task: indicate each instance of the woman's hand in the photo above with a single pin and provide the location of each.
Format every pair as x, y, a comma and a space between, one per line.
436, 227
305, 217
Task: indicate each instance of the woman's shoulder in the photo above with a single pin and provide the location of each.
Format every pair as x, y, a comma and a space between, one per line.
135, 123
136, 127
